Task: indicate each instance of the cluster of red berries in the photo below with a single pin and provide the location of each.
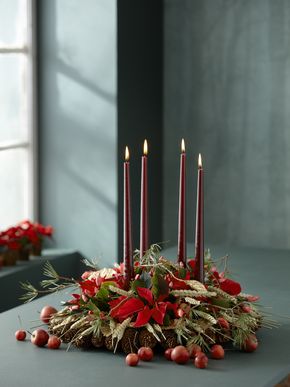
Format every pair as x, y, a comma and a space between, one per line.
40, 337
179, 355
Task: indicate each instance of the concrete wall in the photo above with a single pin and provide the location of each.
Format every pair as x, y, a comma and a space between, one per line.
78, 129
227, 91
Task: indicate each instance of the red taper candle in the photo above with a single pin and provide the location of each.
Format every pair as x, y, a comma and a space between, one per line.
127, 252
181, 252
199, 228
144, 203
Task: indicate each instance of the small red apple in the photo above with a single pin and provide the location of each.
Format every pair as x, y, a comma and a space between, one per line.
193, 350
46, 312
250, 344
145, 353
132, 359
167, 353
20, 335
217, 352
201, 360
180, 354
54, 342
39, 337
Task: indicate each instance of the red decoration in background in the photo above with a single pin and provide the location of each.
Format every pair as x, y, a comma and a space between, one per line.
24, 234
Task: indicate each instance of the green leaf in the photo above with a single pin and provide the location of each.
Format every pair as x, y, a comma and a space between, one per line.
137, 284
159, 285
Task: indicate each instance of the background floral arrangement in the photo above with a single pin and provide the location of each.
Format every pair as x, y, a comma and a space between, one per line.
23, 239
164, 306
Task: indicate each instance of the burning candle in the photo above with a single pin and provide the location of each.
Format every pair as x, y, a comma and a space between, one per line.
181, 254
127, 252
199, 228
144, 203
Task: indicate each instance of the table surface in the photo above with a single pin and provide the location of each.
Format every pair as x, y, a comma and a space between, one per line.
263, 272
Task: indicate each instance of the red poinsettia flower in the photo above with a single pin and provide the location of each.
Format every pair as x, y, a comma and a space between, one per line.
226, 284
145, 306
89, 287
229, 286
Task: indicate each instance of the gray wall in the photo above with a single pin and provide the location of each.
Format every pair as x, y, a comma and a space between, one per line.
78, 133
227, 91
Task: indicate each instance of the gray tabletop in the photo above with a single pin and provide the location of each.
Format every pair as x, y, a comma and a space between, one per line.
262, 272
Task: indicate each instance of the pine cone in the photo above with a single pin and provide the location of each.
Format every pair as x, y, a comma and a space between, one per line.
67, 336
83, 342
98, 341
129, 342
147, 339
110, 343
170, 340
223, 338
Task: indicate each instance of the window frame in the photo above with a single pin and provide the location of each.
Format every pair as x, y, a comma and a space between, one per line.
30, 100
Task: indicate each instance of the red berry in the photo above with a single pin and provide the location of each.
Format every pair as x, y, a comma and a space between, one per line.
54, 342
132, 359
250, 344
39, 337
217, 352
145, 353
246, 308
167, 353
193, 349
201, 360
223, 323
46, 313
20, 335
180, 354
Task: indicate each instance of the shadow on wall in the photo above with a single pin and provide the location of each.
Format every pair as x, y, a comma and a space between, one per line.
78, 134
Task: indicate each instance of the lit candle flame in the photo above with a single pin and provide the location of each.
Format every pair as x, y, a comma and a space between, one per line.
182, 146
199, 161
127, 155
145, 148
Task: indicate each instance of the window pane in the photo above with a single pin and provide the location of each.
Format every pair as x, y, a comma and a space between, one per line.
14, 186
12, 22
13, 125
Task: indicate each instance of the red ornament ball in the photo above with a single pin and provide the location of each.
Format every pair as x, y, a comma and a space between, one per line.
180, 355
39, 337
54, 342
145, 353
46, 312
201, 360
250, 344
132, 359
217, 352
20, 335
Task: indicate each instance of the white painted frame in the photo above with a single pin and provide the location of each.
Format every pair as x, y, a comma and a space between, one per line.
29, 50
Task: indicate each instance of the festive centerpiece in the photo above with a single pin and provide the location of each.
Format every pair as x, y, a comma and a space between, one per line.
148, 302
163, 307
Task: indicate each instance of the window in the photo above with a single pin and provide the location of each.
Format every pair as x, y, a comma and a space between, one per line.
17, 112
